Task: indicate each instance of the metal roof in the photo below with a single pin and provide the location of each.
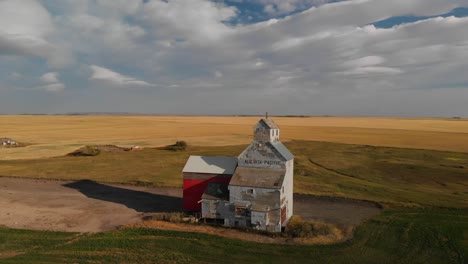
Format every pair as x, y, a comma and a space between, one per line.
216, 191
210, 164
258, 177
281, 149
269, 123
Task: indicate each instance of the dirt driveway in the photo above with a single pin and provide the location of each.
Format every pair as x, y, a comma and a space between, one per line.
86, 206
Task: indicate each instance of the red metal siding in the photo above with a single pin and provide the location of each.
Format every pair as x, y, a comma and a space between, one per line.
194, 189
283, 215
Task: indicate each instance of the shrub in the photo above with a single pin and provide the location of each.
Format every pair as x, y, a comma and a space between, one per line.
89, 150
173, 217
297, 227
179, 145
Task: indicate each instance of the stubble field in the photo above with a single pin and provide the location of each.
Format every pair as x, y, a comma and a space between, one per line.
51, 136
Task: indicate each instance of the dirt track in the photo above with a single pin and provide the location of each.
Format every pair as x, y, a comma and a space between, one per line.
86, 206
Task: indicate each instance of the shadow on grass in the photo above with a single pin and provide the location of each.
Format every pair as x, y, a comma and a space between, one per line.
140, 201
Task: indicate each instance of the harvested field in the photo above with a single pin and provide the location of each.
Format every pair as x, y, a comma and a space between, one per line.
58, 135
86, 206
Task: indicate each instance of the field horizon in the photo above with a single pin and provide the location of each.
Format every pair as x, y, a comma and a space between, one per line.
57, 135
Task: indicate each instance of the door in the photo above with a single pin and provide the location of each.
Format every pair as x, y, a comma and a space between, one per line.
283, 214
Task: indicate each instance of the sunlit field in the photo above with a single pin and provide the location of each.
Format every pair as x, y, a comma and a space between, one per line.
51, 136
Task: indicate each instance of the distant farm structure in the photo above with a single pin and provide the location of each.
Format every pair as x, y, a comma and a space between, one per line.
253, 190
8, 142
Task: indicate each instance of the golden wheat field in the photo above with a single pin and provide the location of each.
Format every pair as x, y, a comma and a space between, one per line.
50, 136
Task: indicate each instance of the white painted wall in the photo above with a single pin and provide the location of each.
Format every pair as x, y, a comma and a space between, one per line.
235, 193
288, 184
263, 155
259, 218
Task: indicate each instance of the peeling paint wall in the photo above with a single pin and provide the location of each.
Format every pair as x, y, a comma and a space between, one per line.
258, 155
259, 220
213, 209
255, 197
254, 194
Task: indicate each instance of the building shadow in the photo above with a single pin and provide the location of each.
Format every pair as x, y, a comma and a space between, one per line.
143, 202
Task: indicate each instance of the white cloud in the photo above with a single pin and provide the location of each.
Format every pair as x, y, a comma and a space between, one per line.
273, 7
52, 88
50, 77
24, 18
372, 70
365, 61
26, 27
16, 75
270, 9
316, 61
218, 74
51, 83
104, 74
195, 20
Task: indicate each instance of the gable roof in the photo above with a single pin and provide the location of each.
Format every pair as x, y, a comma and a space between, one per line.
210, 164
268, 123
258, 177
281, 149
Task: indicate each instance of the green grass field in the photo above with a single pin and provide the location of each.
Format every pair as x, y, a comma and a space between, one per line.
393, 176
425, 221
396, 236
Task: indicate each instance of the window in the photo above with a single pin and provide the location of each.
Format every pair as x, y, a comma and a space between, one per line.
250, 191
240, 211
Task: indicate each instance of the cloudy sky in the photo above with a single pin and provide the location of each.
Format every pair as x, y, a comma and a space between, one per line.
310, 57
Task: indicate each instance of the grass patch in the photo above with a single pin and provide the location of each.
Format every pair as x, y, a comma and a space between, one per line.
396, 236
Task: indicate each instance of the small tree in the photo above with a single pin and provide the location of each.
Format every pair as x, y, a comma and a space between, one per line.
179, 145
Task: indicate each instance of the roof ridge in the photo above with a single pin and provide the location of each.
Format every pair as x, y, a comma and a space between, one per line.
270, 123
281, 149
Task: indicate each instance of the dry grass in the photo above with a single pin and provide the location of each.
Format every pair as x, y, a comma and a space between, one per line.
57, 135
337, 235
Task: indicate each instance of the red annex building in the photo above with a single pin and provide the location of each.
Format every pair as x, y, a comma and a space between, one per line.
199, 171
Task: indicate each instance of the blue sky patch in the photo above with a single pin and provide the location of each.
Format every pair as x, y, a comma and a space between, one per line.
252, 12
394, 21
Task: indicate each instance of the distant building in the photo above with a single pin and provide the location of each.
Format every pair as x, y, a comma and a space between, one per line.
7, 142
253, 190
136, 148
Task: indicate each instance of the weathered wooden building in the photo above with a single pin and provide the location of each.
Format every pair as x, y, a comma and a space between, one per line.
258, 193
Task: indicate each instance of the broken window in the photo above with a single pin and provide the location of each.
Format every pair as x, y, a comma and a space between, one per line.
241, 211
